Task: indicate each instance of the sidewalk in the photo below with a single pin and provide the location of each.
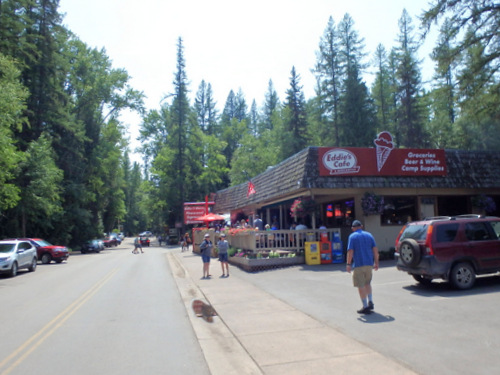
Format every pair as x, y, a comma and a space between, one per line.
256, 333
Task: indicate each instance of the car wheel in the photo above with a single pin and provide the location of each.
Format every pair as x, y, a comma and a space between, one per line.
13, 270
462, 276
32, 267
409, 252
422, 280
46, 258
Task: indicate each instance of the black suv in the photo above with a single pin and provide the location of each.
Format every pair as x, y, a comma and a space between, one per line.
455, 249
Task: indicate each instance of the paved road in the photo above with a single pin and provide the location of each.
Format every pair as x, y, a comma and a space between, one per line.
432, 330
118, 313
107, 313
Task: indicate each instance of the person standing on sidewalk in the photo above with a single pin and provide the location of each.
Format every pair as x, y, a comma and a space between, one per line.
362, 258
223, 247
206, 253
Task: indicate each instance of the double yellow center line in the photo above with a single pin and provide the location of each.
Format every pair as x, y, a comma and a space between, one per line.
20, 354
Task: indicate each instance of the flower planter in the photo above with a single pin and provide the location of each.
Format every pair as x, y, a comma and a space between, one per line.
252, 265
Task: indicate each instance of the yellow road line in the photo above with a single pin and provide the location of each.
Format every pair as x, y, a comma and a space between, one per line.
53, 325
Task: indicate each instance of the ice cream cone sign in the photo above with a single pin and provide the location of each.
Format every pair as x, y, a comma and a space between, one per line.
384, 146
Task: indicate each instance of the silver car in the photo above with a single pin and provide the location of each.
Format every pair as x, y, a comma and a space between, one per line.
16, 254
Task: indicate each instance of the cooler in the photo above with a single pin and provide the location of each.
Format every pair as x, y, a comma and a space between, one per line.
326, 252
312, 252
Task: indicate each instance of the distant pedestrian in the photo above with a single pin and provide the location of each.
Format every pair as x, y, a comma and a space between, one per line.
137, 246
186, 240
206, 253
223, 247
362, 258
160, 238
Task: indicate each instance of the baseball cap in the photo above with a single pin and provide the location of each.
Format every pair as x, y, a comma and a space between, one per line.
207, 235
356, 223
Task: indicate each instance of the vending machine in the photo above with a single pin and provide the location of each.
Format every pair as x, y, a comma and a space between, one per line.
326, 252
312, 250
337, 249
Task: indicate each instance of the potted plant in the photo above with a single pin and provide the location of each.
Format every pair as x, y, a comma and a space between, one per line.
302, 207
484, 203
372, 204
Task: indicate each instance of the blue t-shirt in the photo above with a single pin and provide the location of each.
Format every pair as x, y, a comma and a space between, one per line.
362, 243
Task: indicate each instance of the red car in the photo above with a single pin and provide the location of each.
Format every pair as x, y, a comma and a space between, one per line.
110, 241
47, 252
145, 241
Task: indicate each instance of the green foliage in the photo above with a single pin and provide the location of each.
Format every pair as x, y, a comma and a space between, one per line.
254, 156
12, 97
410, 125
294, 137
65, 173
40, 180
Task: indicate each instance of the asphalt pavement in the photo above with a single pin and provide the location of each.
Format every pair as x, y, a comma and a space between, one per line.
257, 333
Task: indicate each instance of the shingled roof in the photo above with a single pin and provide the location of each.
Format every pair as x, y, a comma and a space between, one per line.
300, 172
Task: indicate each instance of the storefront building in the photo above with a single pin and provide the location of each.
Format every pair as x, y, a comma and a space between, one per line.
384, 187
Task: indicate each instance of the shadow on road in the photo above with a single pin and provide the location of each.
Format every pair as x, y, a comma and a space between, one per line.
483, 285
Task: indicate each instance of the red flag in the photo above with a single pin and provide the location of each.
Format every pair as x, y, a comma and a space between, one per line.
251, 189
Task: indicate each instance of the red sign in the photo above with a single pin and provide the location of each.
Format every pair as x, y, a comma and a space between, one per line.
382, 160
194, 210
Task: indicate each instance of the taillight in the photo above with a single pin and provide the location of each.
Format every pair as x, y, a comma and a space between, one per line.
428, 241
398, 237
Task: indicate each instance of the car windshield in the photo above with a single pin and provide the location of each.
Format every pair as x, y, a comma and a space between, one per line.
415, 231
42, 243
6, 247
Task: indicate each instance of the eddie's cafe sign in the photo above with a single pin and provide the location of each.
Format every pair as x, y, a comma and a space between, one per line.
382, 160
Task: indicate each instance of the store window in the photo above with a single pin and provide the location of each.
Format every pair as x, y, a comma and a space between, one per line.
339, 213
399, 210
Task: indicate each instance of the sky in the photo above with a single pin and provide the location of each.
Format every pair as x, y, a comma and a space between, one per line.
230, 44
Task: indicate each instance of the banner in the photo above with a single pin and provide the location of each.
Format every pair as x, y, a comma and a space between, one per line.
193, 210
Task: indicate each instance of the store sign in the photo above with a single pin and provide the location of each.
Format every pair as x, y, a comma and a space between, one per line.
194, 210
383, 160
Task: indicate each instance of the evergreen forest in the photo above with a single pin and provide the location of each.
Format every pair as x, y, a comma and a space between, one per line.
65, 168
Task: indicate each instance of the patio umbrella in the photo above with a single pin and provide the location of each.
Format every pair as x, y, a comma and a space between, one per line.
210, 217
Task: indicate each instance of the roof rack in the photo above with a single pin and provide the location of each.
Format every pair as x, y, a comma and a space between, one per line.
469, 216
438, 218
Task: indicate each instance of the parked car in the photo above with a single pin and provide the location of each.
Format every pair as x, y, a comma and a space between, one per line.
47, 252
16, 254
118, 238
92, 246
145, 241
455, 249
111, 241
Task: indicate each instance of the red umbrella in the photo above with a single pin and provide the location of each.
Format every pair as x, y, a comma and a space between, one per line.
210, 217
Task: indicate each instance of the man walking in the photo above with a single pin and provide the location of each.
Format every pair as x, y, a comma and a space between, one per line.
362, 258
